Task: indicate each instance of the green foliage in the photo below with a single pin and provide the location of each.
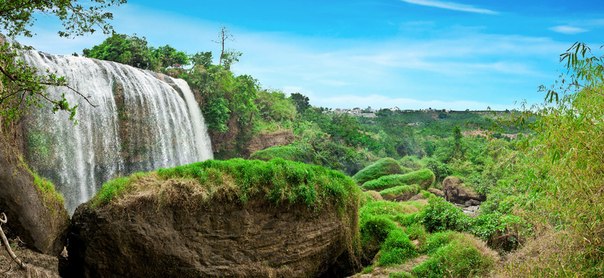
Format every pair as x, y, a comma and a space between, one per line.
78, 19
134, 51
424, 178
401, 190
559, 174
300, 101
396, 249
459, 258
377, 219
275, 107
441, 215
289, 152
411, 162
440, 170
437, 240
382, 167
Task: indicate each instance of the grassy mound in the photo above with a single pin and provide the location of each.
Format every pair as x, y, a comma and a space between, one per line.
384, 221
278, 181
382, 167
424, 178
401, 192
455, 254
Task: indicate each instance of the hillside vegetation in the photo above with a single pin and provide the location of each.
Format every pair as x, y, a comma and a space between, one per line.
540, 170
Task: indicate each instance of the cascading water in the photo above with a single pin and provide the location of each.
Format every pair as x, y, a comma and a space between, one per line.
142, 121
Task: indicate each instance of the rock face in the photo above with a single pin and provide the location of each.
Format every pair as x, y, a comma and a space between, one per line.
35, 216
456, 192
147, 236
266, 140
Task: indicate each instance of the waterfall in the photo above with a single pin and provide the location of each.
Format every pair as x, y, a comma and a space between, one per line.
142, 121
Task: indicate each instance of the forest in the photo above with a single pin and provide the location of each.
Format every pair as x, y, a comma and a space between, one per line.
435, 193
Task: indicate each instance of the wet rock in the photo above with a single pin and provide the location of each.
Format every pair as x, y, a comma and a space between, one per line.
456, 192
34, 215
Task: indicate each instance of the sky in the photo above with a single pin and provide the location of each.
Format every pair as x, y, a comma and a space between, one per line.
413, 54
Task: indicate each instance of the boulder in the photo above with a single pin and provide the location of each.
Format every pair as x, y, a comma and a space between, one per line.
35, 211
177, 227
456, 192
436, 192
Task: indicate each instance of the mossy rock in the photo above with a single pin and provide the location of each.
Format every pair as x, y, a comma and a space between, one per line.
423, 178
400, 193
256, 218
382, 167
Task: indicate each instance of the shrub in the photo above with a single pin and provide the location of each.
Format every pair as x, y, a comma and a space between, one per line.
401, 192
463, 256
411, 162
424, 178
382, 167
397, 248
441, 215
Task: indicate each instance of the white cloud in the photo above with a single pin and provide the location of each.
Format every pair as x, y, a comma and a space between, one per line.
451, 6
569, 30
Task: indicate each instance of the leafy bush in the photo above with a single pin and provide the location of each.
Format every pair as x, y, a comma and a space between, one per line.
403, 192
397, 248
424, 178
441, 215
463, 256
382, 167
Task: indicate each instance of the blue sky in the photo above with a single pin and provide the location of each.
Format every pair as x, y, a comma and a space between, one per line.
415, 54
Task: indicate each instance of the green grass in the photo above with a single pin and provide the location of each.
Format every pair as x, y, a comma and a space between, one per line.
278, 181
288, 152
423, 177
400, 191
382, 167
462, 256
396, 249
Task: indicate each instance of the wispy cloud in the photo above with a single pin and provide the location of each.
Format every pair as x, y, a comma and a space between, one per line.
471, 70
569, 30
451, 6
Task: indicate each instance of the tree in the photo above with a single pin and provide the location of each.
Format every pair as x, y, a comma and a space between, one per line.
168, 56
16, 16
124, 49
21, 85
227, 57
301, 101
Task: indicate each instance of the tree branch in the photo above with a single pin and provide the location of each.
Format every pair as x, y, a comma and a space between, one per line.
12, 254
